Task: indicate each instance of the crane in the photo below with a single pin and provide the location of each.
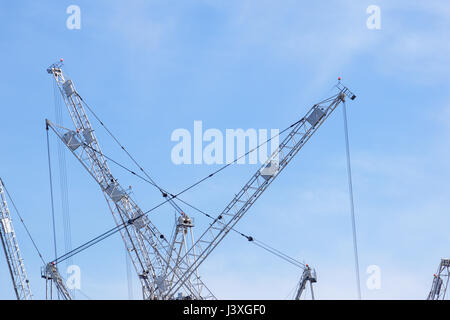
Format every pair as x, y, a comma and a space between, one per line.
308, 275
52, 276
14, 259
300, 134
164, 267
440, 281
148, 248
12, 253
182, 239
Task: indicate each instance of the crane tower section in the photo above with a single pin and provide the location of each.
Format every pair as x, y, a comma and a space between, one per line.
52, 276
308, 275
300, 134
146, 245
11, 248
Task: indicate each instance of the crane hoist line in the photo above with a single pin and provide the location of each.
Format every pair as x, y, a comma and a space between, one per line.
167, 268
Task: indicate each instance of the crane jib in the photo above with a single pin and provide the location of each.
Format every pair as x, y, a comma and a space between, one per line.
259, 182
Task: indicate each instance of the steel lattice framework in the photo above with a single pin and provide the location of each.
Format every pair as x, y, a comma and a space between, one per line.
165, 268
301, 132
147, 246
440, 281
308, 275
52, 276
11, 248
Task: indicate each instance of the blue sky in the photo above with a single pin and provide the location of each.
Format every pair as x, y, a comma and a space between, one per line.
150, 67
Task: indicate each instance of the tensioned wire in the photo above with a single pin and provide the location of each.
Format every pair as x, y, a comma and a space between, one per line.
176, 196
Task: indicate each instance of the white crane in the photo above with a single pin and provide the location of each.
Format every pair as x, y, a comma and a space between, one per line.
301, 132
12, 252
167, 268
52, 276
440, 281
147, 246
182, 240
308, 275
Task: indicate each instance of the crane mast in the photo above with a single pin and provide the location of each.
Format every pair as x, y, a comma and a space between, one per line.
182, 240
440, 281
52, 276
12, 253
308, 275
301, 132
146, 245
